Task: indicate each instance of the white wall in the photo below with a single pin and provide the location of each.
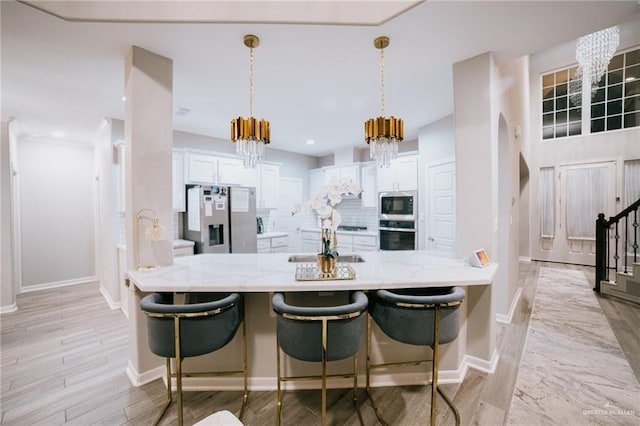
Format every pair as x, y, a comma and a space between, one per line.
7, 288
57, 212
616, 145
107, 217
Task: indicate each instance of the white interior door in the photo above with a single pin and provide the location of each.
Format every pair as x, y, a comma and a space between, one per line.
585, 190
441, 232
289, 195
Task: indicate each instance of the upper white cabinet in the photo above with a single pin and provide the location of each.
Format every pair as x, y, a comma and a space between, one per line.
201, 168
342, 172
178, 189
369, 186
266, 179
231, 171
320, 177
316, 181
402, 175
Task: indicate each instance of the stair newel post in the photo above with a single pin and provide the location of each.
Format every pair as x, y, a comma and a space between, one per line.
601, 250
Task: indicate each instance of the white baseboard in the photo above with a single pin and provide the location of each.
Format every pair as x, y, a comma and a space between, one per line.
506, 319
480, 364
8, 308
138, 379
107, 297
56, 284
525, 259
269, 383
226, 383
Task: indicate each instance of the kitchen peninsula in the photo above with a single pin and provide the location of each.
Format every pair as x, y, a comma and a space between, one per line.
258, 275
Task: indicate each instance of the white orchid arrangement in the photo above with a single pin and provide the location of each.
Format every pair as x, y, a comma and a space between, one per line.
324, 203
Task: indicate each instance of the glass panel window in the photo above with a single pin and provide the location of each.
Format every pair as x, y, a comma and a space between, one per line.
561, 96
613, 105
615, 102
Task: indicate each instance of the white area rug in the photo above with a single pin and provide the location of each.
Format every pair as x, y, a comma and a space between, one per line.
573, 371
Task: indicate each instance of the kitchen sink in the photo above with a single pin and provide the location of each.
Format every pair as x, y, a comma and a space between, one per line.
310, 258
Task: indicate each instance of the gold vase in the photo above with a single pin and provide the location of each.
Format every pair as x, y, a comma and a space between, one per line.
326, 264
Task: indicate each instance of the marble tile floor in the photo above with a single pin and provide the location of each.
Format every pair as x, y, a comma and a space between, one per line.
64, 352
573, 371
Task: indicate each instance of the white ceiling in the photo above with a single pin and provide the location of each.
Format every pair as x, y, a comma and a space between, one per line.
314, 81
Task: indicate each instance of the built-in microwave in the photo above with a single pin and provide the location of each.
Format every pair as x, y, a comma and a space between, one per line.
398, 205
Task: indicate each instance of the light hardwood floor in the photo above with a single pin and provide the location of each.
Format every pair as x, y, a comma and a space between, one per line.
64, 354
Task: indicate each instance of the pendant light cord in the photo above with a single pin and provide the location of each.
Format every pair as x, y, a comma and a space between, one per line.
382, 80
251, 82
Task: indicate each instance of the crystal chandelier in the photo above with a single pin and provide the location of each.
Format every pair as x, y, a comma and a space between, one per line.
593, 53
250, 134
381, 133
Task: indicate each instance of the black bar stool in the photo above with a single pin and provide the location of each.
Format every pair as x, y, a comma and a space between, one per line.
320, 334
186, 330
420, 316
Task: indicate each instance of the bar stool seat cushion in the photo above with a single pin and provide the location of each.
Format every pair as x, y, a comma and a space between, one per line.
414, 325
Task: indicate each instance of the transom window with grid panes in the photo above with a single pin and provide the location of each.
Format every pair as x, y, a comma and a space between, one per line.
561, 111
616, 102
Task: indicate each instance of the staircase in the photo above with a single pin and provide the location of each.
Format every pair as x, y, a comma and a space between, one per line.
617, 260
626, 285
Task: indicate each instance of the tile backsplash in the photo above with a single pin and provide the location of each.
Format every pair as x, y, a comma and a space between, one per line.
353, 214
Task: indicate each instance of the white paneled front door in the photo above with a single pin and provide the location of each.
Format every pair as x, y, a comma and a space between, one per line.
441, 232
584, 190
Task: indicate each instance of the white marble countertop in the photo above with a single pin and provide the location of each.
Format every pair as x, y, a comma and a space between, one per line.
272, 272
272, 235
179, 243
368, 233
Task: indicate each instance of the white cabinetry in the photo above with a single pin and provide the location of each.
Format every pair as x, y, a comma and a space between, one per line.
232, 172
202, 168
342, 172
365, 243
266, 179
274, 244
369, 187
402, 175
348, 243
178, 189
316, 181
311, 241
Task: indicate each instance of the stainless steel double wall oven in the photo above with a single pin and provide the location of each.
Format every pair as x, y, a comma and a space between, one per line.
398, 216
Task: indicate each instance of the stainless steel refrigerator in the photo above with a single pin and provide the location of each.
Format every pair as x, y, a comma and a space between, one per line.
221, 219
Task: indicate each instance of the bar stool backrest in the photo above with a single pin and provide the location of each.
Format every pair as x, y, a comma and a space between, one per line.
205, 326
299, 328
407, 315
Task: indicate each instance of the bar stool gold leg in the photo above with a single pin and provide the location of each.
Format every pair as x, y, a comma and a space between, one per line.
169, 393
324, 372
278, 392
368, 388
435, 390
178, 368
245, 395
434, 365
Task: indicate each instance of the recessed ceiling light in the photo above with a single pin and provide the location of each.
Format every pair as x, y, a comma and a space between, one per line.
124, 98
181, 112
57, 134
310, 141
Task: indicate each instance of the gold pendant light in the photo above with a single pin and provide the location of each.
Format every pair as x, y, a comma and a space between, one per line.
381, 133
250, 134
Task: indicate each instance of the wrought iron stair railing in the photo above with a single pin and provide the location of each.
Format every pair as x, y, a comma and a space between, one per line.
604, 253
